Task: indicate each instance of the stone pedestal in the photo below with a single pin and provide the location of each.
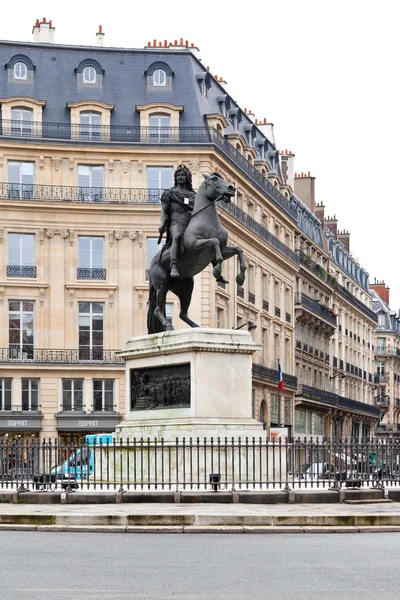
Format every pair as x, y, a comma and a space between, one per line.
214, 401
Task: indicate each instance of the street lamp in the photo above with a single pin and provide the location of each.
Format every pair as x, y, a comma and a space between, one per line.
250, 326
338, 374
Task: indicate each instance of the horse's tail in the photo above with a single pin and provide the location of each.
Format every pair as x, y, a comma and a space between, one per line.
153, 324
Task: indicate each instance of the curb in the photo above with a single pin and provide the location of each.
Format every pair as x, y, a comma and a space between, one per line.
196, 529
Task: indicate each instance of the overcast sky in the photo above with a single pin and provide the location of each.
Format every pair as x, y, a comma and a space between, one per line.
325, 73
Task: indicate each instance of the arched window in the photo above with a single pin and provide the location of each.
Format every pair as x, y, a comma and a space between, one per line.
159, 77
21, 121
159, 127
90, 125
20, 71
89, 75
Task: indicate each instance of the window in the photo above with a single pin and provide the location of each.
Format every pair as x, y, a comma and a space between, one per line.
91, 183
91, 330
89, 75
169, 313
90, 125
20, 71
381, 320
159, 77
21, 121
275, 409
159, 179
30, 394
381, 344
72, 398
91, 258
5, 393
21, 328
152, 249
159, 128
380, 369
220, 318
288, 411
103, 394
21, 255
20, 180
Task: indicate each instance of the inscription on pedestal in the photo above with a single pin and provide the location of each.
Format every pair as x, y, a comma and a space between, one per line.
160, 387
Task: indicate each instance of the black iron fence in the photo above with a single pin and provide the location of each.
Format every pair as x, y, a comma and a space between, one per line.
219, 463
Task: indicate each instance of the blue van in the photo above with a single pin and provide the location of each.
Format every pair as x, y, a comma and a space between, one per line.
79, 465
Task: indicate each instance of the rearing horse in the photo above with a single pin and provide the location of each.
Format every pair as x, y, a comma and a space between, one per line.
204, 242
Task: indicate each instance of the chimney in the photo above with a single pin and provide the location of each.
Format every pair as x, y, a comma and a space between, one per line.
287, 166
320, 211
331, 224
100, 36
381, 289
251, 115
344, 237
267, 129
304, 187
43, 32
222, 82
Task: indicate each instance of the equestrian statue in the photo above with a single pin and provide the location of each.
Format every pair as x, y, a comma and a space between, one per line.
194, 239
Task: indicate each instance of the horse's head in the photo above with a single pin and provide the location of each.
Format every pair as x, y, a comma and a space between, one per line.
217, 188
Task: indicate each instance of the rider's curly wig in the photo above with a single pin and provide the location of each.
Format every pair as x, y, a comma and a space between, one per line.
188, 176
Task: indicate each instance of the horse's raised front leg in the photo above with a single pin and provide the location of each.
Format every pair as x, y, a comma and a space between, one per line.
229, 252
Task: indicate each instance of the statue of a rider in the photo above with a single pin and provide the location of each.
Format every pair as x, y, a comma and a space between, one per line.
176, 209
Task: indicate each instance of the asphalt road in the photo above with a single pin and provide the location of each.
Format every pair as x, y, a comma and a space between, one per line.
81, 566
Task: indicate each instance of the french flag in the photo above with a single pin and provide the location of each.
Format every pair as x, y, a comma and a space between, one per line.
280, 378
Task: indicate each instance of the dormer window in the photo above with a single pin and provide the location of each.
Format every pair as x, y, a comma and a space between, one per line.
159, 77
89, 75
20, 71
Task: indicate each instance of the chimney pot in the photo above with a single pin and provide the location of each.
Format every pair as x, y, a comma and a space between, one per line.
100, 28
49, 23
215, 76
308, 173
181, 42
149, 43
192, 45
44, 20
175, 42
154, 42
186, 43
265, 121
208, 68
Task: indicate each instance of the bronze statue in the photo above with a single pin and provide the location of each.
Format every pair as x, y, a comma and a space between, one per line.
204, 242
176, 209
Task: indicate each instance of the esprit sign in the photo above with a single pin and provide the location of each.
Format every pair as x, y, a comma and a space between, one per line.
88, 423
17, 423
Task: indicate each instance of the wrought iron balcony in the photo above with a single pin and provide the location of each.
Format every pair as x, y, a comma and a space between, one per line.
380, 376
68, 193
62, 357
72, 406
382, 401
331, 399
103, 408
21, 271
271, 375
86, 273
316, 268
133, 134
314, 307
260, 230
356, 303
386, 350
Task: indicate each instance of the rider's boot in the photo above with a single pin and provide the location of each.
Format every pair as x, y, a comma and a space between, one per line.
174, 270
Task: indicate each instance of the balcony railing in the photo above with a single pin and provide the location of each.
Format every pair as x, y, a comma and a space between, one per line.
21, 271
315, 307
86, 273
134, 134
356, 302
17, 408
316, 268
332, 399
260, 230
387, 350
271, 375
66, 357
68, 193
382, 401
240, 292
252, 298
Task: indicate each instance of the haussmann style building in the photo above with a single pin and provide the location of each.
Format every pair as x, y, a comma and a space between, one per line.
90, 136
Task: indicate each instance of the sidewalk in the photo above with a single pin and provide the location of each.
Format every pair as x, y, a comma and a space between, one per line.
202, 518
